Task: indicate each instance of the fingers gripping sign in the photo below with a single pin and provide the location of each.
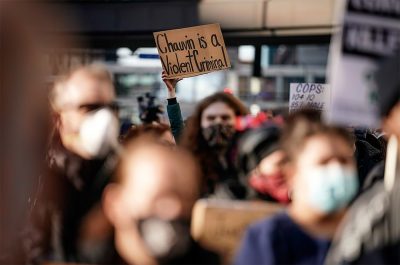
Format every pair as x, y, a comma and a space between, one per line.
171, 84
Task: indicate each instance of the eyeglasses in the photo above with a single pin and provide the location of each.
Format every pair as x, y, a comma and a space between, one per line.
96, 106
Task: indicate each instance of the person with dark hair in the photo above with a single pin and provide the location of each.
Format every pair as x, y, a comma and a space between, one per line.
322, 180
209, 135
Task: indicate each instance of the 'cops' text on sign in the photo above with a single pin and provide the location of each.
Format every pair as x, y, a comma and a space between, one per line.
309, 95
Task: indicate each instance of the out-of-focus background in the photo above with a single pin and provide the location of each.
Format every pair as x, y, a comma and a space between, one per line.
271, 43
77, 186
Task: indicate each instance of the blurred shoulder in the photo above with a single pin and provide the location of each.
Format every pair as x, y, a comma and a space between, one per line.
261, 243
270, 225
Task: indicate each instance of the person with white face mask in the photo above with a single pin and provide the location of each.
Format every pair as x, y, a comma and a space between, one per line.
76, 100
67, 216
322, 181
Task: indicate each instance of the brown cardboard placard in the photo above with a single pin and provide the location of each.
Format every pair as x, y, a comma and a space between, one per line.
192, 51
219, 224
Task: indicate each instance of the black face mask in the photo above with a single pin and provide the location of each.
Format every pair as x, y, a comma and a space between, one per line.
218, 135
166, 240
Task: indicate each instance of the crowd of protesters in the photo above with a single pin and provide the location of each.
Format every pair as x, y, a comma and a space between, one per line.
106, 197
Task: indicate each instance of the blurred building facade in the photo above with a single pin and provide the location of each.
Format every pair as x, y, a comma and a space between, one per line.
271, 44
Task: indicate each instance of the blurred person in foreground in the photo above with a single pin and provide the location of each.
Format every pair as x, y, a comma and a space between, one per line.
68, 223
25, 123
150, 204
25, 119
322, 179
261, 161
210, 135
370, 234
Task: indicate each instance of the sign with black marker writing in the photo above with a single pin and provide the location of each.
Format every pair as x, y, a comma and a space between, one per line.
309, 95
370, 33
192, 51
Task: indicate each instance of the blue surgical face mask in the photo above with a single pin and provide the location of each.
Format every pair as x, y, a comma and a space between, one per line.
331, 187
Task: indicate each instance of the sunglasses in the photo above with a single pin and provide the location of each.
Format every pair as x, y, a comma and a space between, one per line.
96, 106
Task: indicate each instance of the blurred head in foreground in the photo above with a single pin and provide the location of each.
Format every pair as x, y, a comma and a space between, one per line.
321, 168
159, 131
83, 102
261, 159
151, 201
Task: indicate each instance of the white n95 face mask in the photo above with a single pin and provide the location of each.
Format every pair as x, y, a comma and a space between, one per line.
99, 133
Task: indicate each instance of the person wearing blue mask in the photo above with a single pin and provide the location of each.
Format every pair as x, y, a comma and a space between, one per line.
322, 178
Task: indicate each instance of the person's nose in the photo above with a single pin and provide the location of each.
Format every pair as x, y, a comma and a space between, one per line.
218, 120
169, 207
336, 162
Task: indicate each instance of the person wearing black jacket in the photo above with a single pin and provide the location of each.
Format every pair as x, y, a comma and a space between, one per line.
367, 157
370, 233
67, 223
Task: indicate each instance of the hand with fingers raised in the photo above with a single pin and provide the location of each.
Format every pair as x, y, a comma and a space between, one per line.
171, 84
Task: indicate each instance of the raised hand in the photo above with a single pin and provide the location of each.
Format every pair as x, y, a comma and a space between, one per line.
171, 84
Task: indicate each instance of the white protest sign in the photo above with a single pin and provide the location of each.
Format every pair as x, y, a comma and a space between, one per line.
371, 31
309, 95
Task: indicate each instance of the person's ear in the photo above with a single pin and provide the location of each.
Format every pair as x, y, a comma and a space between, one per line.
289, 171
112, 203
56, 118
391, 123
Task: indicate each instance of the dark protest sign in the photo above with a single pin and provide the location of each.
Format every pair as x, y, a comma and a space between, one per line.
309, 95
192, 51
370, 32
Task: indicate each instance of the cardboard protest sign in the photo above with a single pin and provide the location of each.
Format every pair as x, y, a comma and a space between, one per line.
192, 51
370, 32
309, 95
220, 224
